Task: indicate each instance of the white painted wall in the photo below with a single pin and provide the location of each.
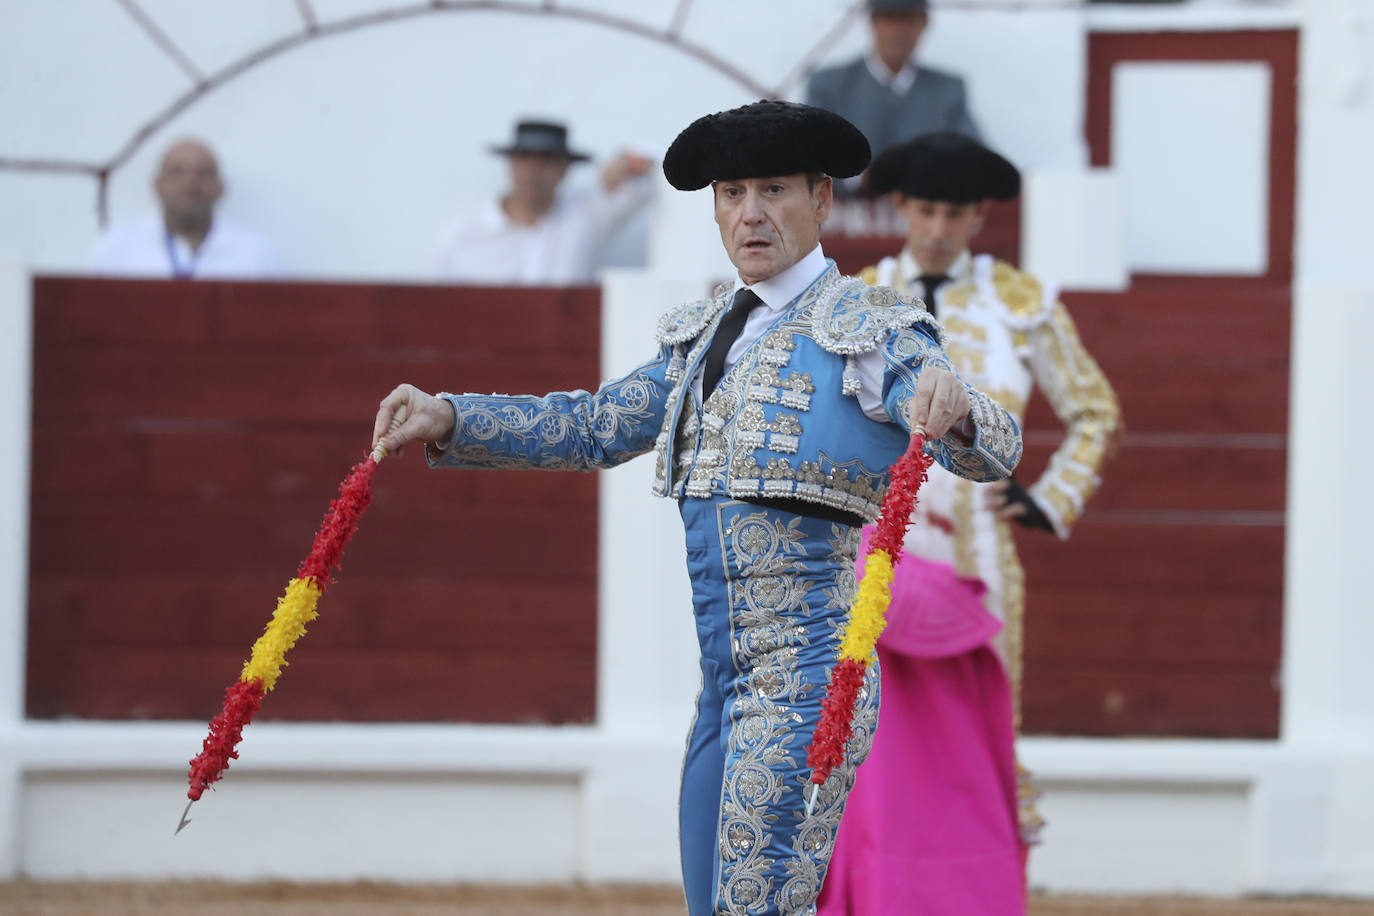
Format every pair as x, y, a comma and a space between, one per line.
1073, 228
351, 153
1191, 144
1327, 678
16, 375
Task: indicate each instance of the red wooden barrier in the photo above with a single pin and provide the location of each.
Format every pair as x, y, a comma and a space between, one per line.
188, 436
187, 440
1162, 615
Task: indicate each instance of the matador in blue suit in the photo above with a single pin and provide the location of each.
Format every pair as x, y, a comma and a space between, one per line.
774, 410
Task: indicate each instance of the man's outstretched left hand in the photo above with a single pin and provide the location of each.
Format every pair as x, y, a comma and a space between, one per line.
426, 419
940, 404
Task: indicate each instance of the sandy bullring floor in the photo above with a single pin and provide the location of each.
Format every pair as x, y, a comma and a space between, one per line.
214, 899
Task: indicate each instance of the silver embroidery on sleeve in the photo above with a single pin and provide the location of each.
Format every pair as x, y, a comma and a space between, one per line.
563, 431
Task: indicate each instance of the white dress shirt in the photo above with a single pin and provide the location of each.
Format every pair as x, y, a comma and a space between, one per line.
898, 82
144, 248
777, 294
483, 247
911, 272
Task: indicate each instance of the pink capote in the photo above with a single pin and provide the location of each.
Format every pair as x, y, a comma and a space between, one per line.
930, 828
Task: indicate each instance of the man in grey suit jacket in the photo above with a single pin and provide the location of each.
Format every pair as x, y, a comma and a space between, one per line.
884, 93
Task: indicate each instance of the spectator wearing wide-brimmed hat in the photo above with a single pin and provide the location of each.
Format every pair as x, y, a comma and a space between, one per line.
537, 232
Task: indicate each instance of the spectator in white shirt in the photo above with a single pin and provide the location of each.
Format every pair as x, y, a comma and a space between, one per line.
186, 240
537, 233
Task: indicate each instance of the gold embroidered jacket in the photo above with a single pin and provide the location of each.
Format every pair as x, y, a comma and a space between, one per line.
1005, 332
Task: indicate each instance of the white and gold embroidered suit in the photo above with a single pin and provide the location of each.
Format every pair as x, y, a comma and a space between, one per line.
1006, 333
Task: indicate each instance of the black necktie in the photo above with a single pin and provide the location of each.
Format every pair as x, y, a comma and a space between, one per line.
930, 283
746, 300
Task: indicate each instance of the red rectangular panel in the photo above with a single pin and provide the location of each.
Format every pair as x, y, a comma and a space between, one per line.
1205, 701
1162, 613
188, 439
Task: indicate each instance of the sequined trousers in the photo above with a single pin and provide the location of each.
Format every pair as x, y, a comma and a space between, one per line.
770, 591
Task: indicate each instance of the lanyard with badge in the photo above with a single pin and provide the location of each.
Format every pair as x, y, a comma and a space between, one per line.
179, 271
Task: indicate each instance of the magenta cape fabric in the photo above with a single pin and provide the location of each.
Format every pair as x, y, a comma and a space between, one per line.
931, 824
935, 613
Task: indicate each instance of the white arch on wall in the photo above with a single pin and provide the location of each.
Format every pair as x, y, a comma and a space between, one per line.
312, 30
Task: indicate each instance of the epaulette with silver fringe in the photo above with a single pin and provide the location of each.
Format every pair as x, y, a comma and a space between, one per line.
683, 324
852, 318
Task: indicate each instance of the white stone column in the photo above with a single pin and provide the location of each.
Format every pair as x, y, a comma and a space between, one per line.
646, 641
647, 672
1328, 676
16, 344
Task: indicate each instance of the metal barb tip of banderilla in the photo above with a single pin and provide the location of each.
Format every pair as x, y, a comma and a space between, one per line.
184, 819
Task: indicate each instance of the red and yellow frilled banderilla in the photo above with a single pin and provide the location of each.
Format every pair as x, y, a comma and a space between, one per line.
294, 610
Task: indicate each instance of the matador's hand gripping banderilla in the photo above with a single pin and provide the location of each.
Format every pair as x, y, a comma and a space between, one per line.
866, 615
294, 610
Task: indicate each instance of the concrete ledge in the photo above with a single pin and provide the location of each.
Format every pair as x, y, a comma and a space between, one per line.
444, 803
1160, 761
336, 748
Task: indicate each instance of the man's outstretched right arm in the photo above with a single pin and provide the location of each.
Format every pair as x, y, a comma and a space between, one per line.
567, 430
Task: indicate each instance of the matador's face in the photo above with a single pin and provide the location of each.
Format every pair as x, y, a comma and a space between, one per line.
769, 224
938, 231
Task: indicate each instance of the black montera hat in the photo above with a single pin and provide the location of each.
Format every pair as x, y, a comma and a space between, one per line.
944, 166
761, 140
546, 137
